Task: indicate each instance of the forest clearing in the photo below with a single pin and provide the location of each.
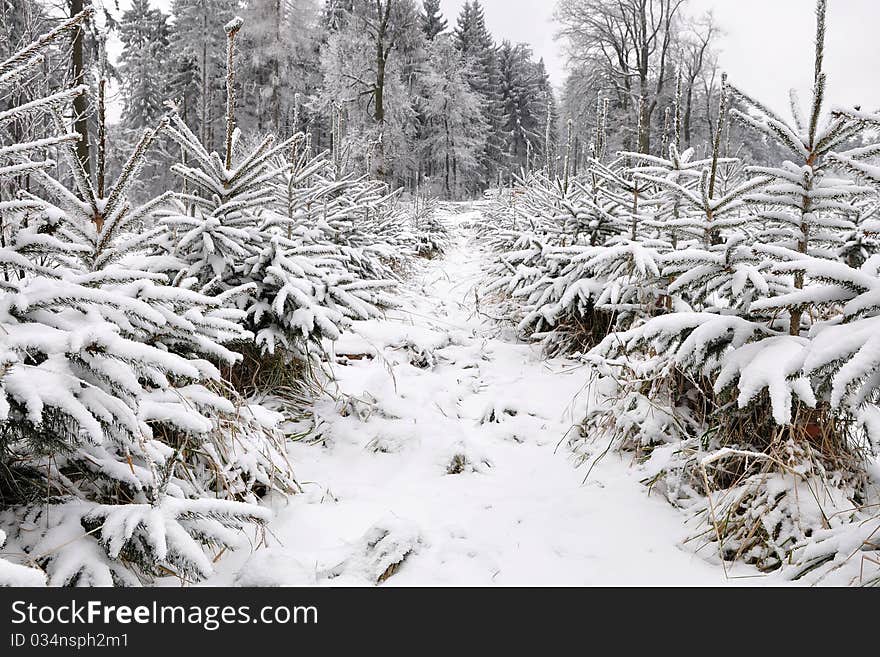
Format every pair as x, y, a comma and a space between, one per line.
339, 294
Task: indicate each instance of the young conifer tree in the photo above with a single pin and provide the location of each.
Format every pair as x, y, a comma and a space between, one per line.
806, 211
20, 259
712, 263
805, 205
112, 423
777, 340
239, 231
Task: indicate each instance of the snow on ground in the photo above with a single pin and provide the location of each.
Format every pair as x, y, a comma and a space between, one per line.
440, 451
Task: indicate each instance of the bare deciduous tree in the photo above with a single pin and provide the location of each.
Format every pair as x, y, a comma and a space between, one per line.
630, 44
696, 57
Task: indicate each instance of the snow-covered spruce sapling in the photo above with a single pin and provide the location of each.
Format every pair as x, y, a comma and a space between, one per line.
431, 233
711, 262
805, 207
346, 215
547, 233
248, 223
20, 258
779, 407
108, 391
574, 268
215, 235
112, 244
630, 261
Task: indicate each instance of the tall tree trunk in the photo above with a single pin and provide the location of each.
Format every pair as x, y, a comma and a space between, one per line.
276, 77
382, 52
380, 90
204, 72
379, 115
688, 114
645, 132
80, 107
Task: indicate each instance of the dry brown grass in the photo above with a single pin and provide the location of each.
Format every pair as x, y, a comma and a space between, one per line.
752, 479
577, 333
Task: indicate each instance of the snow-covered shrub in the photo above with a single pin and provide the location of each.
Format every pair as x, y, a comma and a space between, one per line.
726, 312
16, 575
275, 230
368, 221
720, 406
115, 424
81, 543
577, 255
432, 237
752, 400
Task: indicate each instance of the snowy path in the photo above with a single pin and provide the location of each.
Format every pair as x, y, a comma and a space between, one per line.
439, 388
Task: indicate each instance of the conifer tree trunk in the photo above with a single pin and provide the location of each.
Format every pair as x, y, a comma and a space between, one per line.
814, 159
77, 70
802, 247
380, 83
382, 51
688, 114
447, 162
204, 80
276, 70
232, 29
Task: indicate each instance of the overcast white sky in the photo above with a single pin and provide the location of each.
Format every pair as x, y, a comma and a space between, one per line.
758, 32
